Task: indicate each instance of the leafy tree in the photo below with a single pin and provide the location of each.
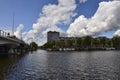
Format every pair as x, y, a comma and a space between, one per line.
109, 42
103, 41
96, 42
79, 42
116, 41
33, 45
49, 44
70, 43
87, 41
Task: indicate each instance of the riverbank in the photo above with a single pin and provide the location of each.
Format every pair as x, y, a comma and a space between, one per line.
81, 49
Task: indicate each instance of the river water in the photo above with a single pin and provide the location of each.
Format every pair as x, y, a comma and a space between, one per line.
43, 65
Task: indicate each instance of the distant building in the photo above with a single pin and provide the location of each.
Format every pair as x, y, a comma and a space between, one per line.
62, 41
66, 41
81, 43
52, 35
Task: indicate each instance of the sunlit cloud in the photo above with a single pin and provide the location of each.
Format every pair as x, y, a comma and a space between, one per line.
106, 18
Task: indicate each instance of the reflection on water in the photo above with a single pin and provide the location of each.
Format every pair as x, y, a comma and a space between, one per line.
6, 63
43, 65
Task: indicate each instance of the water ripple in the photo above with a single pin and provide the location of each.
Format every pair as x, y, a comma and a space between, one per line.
42, 65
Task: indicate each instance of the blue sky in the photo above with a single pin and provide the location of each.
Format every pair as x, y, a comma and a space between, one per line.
27, 12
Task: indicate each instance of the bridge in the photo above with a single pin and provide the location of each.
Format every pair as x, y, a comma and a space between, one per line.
11, 44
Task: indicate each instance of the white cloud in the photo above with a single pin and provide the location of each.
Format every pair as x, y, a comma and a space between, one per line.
18, 32
117, 33
51, 16
83, 1
106, 18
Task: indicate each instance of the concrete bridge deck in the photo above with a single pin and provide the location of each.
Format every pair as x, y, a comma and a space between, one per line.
11, 44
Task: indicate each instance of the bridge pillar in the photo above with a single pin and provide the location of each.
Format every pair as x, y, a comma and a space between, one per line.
4, 50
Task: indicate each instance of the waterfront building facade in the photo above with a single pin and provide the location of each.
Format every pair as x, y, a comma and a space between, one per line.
52, 35
82, 43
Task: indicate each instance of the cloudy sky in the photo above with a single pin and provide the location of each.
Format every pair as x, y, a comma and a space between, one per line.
73, 18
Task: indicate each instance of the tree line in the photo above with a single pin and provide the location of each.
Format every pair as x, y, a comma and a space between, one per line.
86, 42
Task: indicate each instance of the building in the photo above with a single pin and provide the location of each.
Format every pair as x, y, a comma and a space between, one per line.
66, 42
61, 41
82, 43
52, 35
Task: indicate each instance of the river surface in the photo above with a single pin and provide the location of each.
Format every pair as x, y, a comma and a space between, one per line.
43, 65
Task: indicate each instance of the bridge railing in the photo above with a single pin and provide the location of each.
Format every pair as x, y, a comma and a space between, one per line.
3, 33
10, 37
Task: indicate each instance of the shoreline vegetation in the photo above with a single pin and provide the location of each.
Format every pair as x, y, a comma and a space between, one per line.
86, 43
33, 46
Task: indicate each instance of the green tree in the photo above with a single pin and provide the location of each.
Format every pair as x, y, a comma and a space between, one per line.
33, 45
96, 42
50, 44
116, 41
70, 43
79, 42
109, 42
103, 41
87, 41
